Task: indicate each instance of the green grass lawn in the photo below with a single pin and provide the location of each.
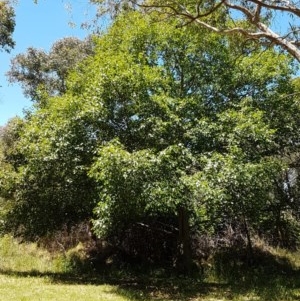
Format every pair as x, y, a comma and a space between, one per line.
33, 288
29, 273
28, 288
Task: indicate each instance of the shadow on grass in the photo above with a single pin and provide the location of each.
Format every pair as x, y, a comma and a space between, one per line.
136, 286
268, 278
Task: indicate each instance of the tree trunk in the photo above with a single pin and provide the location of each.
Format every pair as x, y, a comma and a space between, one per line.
184, 260
250, 253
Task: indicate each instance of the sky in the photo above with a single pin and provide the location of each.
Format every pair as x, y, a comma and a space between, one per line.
38, 25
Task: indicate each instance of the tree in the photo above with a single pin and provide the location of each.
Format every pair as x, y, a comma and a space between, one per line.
173, 129
51, 187
9, 137
164, 128
252, 19
10, 160
7, 25
42, 74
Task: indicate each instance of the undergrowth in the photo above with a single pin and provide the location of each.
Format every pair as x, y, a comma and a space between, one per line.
24, 257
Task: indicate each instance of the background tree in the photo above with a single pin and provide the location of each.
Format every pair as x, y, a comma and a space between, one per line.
42, 74
7, 25
51, 187
10, 160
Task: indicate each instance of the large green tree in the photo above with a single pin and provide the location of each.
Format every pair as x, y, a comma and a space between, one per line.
163, 123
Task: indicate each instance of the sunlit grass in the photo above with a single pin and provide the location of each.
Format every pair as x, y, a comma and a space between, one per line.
30, 273
37, 288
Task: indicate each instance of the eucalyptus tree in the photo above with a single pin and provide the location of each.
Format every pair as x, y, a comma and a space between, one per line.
253, 19
42, 74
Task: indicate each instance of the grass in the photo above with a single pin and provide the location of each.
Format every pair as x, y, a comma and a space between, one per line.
29, 273
14, 288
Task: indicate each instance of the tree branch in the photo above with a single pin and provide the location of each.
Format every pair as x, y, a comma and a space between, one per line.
257, 13
253, 16
265, 32
286, 8
242, 9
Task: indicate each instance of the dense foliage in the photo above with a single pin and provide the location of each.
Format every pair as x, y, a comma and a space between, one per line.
168, 128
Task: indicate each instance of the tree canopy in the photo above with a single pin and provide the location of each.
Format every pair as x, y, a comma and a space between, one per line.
253, 19
158, 126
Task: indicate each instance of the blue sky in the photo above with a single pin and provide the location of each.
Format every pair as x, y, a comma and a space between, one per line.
38, 25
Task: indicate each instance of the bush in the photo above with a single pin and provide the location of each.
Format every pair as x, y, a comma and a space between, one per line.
74, 261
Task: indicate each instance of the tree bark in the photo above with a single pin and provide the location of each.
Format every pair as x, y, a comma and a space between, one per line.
184, 262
